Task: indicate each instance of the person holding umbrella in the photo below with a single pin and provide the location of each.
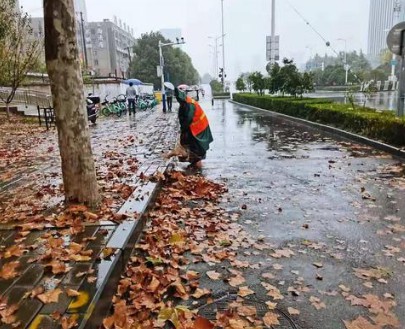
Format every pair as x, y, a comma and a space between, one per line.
169, 95
195, 132
131, 97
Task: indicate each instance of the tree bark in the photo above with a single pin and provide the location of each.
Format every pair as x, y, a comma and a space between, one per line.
8, 111
62, 61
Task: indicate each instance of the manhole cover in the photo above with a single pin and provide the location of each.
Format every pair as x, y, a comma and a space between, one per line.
221, 304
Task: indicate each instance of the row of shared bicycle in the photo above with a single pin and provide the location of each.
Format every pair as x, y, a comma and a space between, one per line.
117, 105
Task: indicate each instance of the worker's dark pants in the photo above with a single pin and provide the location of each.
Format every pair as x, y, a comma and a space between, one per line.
169, 102
131, 105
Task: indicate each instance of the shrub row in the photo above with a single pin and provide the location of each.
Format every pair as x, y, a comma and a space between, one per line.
383, 126
221, 94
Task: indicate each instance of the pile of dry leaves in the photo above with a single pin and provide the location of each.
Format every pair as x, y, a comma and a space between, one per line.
187, 227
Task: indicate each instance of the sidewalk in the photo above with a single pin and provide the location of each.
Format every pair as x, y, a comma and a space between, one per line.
59, 267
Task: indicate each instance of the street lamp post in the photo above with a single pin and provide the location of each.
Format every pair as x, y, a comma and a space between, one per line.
223, 46
346, 65
161, 45
216, 53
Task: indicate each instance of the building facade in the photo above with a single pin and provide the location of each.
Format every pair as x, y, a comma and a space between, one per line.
105, 48
384, 14
38, 33
109, 48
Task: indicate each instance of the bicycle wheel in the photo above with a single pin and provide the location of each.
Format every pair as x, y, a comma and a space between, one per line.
123, 107
105, 111
118, 111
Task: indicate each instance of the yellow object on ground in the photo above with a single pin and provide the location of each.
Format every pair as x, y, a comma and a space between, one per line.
158, 95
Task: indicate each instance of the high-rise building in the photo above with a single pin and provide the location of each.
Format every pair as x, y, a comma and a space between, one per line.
171, 34
38, 29
109, 47
383, 15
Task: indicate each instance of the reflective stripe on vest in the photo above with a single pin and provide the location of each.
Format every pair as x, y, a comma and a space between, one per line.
200, 120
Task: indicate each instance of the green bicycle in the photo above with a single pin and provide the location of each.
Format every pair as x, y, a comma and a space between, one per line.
113, 107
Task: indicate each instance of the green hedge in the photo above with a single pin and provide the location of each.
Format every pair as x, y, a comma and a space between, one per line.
383, 126
221, 94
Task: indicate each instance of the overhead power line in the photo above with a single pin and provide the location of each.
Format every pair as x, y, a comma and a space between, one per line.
327, 43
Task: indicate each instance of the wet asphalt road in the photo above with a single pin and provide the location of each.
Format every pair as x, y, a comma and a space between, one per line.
328, 200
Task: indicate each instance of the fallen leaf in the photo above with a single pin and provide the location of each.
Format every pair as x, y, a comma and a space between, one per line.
14, 251
58, 267
360, 323
8, 270
91, 279
51, 296
213, 275
36, 291
317, 303
192, 275
282, 253
247, 310
80, 258
69, 322
202, 323
268, 276
177, 238
245, 291
293, 311
271, 305
107, 252
271, 319
153, 285
344, 288
7, 313
200, 293
236, 280
72, 293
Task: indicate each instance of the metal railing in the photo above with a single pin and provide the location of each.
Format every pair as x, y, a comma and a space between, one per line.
28, 97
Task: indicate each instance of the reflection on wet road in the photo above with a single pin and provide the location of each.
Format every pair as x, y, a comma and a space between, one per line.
325, 198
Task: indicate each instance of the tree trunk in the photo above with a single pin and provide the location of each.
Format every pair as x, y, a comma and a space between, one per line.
8, 111
62, 61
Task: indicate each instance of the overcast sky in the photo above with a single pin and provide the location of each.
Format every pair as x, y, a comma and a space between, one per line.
247, 22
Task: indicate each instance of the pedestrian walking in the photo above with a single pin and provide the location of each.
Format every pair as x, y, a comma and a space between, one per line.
195, 132
131, 97
169, 99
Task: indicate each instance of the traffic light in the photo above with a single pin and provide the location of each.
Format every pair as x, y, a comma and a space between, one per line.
221, 72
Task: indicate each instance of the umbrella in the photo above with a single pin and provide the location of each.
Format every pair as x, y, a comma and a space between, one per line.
183, 87
169, 85
135, 82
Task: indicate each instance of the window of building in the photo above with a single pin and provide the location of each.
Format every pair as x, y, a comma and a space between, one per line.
96, 62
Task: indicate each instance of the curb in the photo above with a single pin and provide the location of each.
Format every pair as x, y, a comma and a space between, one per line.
335, 131
123, 239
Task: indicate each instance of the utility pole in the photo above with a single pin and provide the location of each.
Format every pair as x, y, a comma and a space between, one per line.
216, 52
84, 42
162, 64
396, 20
223, 47
273, 30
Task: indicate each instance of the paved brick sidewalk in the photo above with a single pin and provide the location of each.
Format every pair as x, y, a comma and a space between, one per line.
86, 257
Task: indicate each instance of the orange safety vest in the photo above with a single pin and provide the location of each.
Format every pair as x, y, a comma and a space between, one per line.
200, 120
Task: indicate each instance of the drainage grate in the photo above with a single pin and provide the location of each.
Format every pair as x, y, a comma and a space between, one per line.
220, 304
